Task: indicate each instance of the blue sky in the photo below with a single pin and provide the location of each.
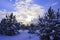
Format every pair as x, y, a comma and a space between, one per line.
47, 3
8, 4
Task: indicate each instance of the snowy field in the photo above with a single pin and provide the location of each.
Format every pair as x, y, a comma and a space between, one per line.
24, 35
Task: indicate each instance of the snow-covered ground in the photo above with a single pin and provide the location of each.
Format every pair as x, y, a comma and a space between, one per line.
24, 35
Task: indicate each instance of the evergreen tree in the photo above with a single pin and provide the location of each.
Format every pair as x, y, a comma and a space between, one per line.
32, 28
9, 25
23, 27
47, 24
50, 25
50, 13
56, 29
58, 14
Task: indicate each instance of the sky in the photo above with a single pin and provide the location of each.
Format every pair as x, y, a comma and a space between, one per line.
8, 4
55, 4
27, 10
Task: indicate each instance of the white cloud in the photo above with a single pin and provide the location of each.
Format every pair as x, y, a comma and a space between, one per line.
28, 0
54, 4
26, 12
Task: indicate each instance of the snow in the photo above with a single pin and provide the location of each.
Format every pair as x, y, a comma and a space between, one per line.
24, 35
51, 38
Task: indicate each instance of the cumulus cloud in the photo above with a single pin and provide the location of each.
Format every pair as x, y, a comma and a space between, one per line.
26, 11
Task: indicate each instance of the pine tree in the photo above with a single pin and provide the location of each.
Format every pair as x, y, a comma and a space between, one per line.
58, 14
9, 25
51, 25
32, 28
23, 27
50, 13
56, 34
47, 24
